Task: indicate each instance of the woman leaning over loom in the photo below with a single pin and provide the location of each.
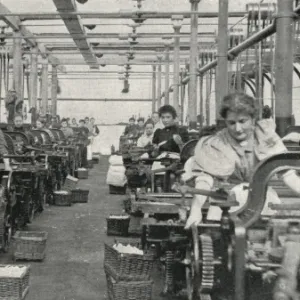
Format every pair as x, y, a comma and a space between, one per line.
231, 155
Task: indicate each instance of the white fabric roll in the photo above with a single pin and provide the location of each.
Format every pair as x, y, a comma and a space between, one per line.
116, 176
89, 152
116, 160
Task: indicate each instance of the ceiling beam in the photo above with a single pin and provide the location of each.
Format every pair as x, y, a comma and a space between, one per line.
116, 61
103, 99
123, 14
15, 23
143, 35
75, 26
126, 46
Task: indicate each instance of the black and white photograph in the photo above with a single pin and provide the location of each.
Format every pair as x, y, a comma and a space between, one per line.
149, 149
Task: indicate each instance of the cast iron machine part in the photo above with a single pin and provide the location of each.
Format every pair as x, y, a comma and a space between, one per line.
26, 178
35, 166
216, 260
57, 160
7, 204
172, 167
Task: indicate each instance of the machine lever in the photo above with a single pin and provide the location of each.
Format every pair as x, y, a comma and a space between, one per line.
286, 285
183, 189
293, 206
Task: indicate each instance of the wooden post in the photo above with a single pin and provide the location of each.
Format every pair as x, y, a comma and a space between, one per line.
159, 57
177, 20
182, 97
208, 96
192, 107
201, 101
153, 89
167, 74
54, 87
33, 78
284, 65
18, 70
222, 68
44, 91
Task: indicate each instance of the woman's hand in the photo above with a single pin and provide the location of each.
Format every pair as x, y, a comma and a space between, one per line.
177, 139
7, 166
155, 150
193, 220
155, 147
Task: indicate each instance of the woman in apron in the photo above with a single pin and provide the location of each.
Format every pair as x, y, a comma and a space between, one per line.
231, 155
167, 140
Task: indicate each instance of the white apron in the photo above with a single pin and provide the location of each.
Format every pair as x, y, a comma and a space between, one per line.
157, 164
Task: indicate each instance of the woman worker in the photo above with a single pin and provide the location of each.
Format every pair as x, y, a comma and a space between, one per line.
147, 137
168, 139
232, 153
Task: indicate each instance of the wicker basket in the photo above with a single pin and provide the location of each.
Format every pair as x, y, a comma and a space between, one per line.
96, 159
135, 226
30, 245
14, 282
127, 267
118, 226
82, 173
133, 290
62, 199
70, 183
80, 196
127, 205
117, 190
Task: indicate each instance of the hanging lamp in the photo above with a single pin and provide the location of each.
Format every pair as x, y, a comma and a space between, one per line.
82, 1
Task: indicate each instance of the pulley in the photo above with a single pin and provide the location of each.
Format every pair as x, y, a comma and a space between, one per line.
236, 36
82, 1
260, 11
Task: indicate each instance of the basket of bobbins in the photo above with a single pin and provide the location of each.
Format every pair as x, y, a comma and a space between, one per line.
80, 196
82, 173
29, 245
96, 158
128, 271
14, 282
62, 198
70, 183
118, 225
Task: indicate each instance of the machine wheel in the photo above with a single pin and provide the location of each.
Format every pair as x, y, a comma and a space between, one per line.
42, 196
5, 228
28, 209
200, 280
31, 212
189, 275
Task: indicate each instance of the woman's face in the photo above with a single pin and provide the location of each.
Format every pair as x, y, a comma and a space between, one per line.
18, 121
141, 123
73, 121
167, 119
240, 126
155, 118
149, 129
39, 124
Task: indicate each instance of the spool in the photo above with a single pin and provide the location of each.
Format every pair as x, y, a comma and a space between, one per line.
264, 9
